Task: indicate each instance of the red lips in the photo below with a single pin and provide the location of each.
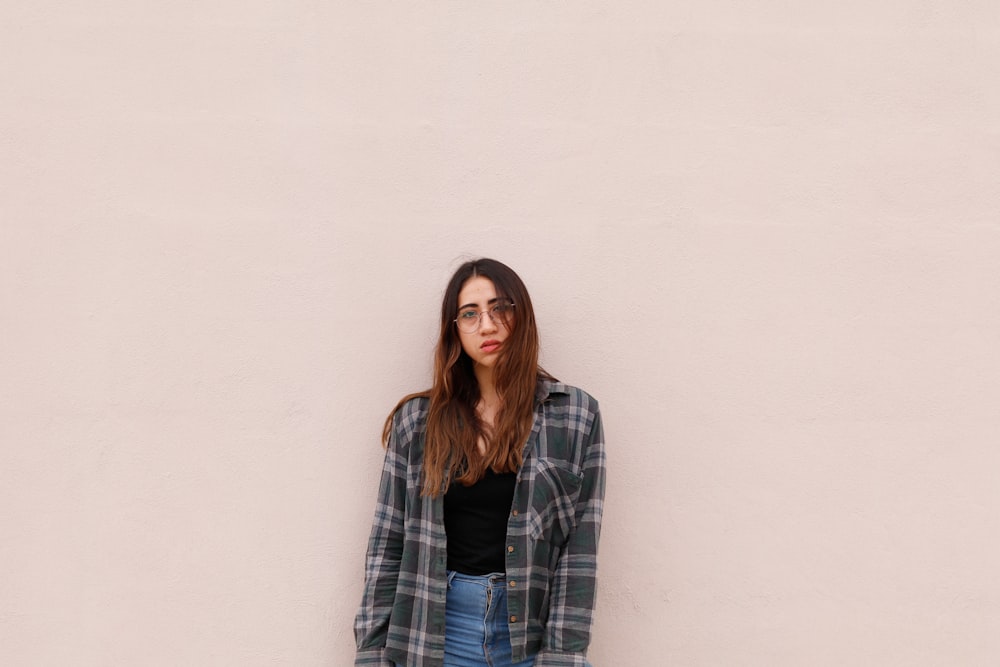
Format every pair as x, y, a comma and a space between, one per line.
490, 345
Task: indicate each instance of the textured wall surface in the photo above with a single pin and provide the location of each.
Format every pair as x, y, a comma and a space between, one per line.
766, 235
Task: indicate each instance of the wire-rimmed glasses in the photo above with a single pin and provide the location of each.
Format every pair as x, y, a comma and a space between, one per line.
469, 319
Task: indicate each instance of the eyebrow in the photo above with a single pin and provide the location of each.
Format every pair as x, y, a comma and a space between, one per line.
476, 305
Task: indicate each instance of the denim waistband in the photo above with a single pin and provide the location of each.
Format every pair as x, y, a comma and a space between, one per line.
484, 579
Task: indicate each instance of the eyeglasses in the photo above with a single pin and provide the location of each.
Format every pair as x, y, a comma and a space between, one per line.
469, 320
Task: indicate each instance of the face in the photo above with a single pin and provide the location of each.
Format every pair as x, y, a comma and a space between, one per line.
484, 344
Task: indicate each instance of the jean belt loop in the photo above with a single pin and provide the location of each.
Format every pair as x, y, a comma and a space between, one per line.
451, 575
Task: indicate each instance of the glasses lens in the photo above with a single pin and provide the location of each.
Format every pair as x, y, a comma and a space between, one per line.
502, 311
468, 320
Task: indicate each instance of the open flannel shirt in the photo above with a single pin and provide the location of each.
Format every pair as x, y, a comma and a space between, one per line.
552, 534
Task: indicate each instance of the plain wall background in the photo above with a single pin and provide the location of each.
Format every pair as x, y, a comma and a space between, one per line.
764, 234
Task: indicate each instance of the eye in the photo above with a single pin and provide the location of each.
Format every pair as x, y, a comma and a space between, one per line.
468, 315
503, 308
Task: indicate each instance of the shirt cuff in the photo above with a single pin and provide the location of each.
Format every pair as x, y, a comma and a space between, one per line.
371, 657
560, 659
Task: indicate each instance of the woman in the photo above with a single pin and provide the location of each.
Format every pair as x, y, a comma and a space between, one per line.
483, 548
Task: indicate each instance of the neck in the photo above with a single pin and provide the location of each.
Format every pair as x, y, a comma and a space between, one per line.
487, 388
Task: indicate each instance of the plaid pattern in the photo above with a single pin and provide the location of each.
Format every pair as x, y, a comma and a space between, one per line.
552, 536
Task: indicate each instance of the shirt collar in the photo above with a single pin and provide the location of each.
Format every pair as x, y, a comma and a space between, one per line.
546, 388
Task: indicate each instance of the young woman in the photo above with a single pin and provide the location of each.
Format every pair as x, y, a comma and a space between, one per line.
483, 551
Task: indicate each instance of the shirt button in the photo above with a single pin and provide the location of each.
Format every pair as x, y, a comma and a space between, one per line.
513, 619
510, 550
514, 512
513, 584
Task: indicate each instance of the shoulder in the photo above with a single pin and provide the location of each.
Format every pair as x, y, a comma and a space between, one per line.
408, 421
411, 412
569, 407
574, 431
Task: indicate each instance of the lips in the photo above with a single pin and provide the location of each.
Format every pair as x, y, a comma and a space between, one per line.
490, 346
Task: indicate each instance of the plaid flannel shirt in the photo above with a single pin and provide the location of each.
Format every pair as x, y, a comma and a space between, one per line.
552, 535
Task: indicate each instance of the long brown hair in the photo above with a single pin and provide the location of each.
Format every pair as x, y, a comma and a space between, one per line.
453, 426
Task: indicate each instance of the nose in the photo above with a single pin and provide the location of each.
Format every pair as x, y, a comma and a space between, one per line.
486, 323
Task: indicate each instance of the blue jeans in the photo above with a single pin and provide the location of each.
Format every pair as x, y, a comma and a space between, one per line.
475, 630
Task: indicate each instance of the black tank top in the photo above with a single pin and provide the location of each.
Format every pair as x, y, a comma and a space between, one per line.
475, 519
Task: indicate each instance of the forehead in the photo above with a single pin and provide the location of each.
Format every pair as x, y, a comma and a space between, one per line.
477, 290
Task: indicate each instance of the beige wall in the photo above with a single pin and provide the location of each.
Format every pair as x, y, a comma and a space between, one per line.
764, 234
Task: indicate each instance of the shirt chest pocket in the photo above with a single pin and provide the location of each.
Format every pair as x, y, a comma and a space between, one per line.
553, 501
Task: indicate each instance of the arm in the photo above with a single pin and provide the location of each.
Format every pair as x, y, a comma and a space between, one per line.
571, 606
385, 548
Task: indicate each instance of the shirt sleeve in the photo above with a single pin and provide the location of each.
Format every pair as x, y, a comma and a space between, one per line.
382, 562
573, 593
